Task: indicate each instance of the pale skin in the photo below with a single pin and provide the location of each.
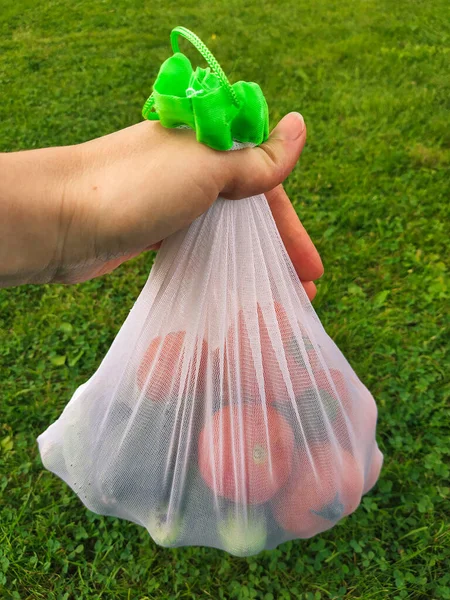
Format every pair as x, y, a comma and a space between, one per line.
72, 213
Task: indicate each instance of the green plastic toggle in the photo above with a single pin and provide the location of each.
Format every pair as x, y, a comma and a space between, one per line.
204, 99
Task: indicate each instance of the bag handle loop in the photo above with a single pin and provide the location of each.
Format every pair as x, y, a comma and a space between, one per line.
207, 55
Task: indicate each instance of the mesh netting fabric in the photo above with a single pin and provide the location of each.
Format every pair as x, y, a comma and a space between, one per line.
223, 415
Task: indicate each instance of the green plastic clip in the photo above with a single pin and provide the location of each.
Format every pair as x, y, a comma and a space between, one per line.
204, 99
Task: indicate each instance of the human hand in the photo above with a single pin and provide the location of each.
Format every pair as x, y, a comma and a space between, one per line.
145, 182
123, 193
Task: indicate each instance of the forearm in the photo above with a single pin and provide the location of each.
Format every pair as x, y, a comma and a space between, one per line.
34, 211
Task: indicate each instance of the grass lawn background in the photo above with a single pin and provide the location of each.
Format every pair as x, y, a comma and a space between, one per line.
372, 188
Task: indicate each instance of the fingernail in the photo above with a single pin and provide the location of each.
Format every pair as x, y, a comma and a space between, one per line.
291, 126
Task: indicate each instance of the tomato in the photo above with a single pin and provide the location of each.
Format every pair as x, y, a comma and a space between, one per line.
219, 383
198, 371
320, 492
292, 374
322, 409
161, 364
160, 372
332, 389
245, 452
290, 340
285, 375
241, 363
322, 399
253, 372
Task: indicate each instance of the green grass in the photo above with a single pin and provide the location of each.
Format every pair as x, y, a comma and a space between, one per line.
371, 79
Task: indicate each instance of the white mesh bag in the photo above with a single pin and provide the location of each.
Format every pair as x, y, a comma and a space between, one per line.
223, 415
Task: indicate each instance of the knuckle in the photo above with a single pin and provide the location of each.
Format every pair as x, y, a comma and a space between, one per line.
274, 163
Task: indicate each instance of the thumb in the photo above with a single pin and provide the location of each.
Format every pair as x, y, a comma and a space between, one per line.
254, 171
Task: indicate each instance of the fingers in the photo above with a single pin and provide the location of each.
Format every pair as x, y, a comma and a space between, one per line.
310, 289
253, 171
298, 244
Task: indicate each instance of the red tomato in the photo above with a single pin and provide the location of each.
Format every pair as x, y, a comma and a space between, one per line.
254, 371
320, 492
220, 378
290, 341
333, 382
283, 323
330, 385
160, 371
245, 452
285, 376
313, 358
323, 406
298, 375
251, 372
241, 362
198, 371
